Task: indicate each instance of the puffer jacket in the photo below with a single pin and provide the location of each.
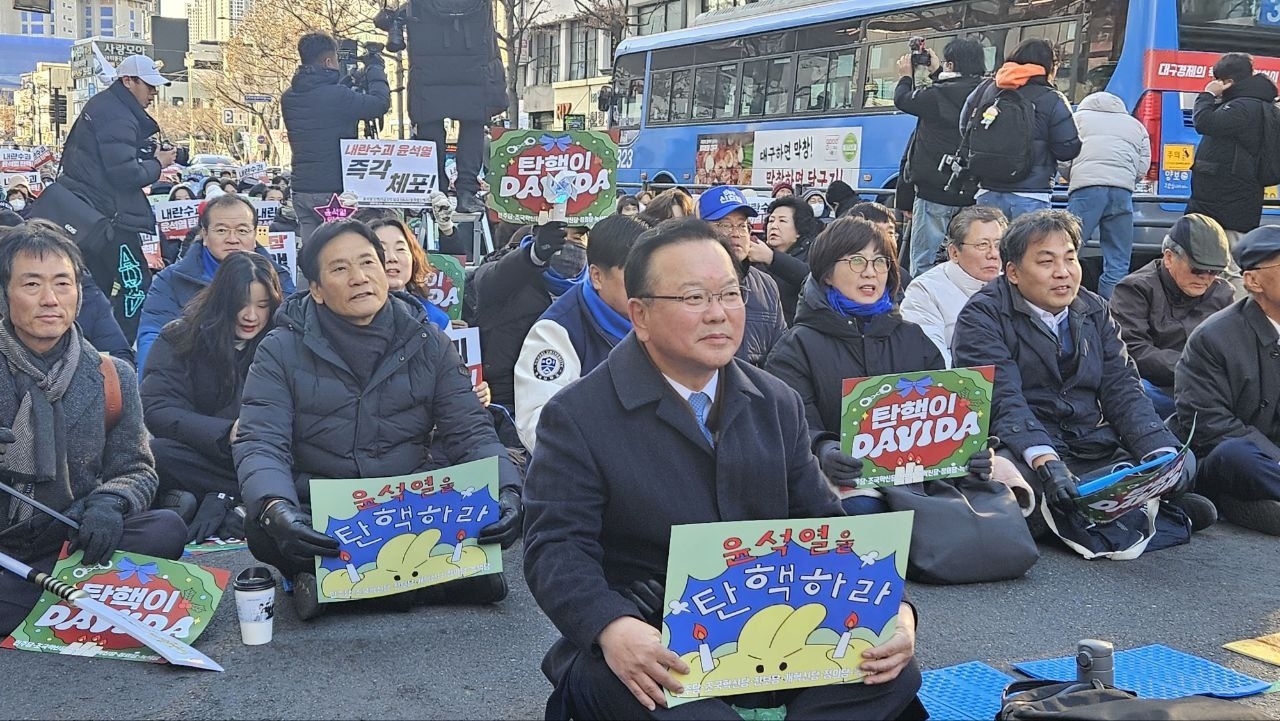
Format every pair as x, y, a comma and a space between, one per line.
319, 113
1115, 149
102, 162
765, 322
1054, 138
1224, 176
454, 66
825, 347
304, 414
937, 108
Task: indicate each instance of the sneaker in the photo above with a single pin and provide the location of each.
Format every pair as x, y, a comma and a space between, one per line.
306, 596
442, 209
182, 503
1263, 515
1199, 509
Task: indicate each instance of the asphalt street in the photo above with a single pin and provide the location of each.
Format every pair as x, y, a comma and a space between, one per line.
482, 663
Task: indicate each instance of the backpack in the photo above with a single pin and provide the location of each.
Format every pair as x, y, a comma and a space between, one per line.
1269, 149
113, 402
999, 138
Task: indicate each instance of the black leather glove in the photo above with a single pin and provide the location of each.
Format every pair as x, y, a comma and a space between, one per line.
1059, 485
548, 240
213, 510
233, 524
647, 596
510, 521
840, 469
290, 527
101, 519
979, 464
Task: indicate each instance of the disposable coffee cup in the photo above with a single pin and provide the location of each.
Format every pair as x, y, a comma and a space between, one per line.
255, 604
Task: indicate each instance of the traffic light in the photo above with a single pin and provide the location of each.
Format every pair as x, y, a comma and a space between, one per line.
59, 109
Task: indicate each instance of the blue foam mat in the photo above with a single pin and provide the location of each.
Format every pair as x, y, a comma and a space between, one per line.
967, 692
1158, 672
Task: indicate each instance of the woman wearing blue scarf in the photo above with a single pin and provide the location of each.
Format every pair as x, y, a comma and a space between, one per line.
847, 327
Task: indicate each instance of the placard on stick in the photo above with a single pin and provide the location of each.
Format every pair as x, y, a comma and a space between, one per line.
533, 171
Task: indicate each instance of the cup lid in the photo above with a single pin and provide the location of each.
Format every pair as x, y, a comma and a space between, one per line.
255, 578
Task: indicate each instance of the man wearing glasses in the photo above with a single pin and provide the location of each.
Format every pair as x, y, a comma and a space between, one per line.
707, 438
228, 224
727, 210
1158, 305
1227, 386
933, 301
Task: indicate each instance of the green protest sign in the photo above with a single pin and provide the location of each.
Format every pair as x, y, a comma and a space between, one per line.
403, 533
756, 606
445, 286
531, 171
914, 427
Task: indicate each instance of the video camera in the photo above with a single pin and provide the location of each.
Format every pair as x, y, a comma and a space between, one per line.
352, 75
148, 151
392, 23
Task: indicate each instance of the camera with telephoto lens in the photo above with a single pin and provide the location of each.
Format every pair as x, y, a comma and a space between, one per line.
148, 151
391, 21
353, 75
919, 56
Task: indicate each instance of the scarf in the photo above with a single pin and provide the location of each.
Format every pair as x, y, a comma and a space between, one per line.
361, 347
845, 307
558, 285
38, 456
210, 263
609, 320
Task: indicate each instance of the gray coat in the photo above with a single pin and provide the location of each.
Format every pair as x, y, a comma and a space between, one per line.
1115, 149
303, 414
119, 462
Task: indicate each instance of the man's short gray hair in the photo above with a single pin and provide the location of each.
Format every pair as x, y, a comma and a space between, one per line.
958, 228
1173, 246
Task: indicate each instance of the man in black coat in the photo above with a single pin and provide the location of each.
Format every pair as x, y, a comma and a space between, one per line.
1228, 116
455, 72
1227, 386
600, 508
319, 113
1067, 397
937, 107
108, 159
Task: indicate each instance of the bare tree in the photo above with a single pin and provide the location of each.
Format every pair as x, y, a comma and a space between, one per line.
519, 21
611, 16
8, 121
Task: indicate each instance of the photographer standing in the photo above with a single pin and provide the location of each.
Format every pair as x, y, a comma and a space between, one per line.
320, 112
108, 159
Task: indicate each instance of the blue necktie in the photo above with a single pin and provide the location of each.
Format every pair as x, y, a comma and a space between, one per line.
1066, 348
701, 402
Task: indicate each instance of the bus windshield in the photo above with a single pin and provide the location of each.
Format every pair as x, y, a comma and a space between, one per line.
1221, 26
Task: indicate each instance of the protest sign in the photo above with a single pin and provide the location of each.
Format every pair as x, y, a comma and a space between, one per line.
914, 427
389, 173
1104, 499
175, 597
404, 533
283, 248
467, 341
176, 218
756, 606
254, 171
29, 178
16, 161
444, 287
530, 171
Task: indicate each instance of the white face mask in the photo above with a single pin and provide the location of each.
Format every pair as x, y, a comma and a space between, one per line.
818, 208
18, 203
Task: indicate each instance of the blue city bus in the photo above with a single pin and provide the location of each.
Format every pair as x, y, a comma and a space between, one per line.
754, 95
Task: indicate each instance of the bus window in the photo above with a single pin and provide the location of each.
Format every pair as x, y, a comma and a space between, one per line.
726, 91
997, 12
811, 83
713, 91
1063, 38
829, 35
1103, 38
778, 90
997, 43
1219, 26
681, 94
840, 83
882, 73
926, 21
766, 87
660, 98
628, 89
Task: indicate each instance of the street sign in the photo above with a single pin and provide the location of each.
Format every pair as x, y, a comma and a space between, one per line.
232, 117
255, 99
262, 140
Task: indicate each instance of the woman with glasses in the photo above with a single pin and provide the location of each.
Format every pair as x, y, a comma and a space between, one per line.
228, 224
191, 396
847, 327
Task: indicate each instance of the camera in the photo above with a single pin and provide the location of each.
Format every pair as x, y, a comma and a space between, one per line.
148, 151
919, 56
355, 77
392, 22
959, 168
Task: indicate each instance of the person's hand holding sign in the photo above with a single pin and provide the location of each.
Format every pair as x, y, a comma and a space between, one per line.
886, 661
634, 651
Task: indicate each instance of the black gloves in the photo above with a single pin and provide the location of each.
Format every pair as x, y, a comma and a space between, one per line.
510, 521
101, 519
979, 465
233, 524
548, 240
1059, 485
647, 596
290, 527
839, 468
209, 517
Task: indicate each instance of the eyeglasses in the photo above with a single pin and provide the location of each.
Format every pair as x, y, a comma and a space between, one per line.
985, 246
1203, 272
696, 301
243, 233
857, 263
1261, 267
733, 228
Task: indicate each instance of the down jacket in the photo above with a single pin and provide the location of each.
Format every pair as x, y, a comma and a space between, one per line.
1224, 180
304, 415
824, 347
319, 113
1115, 149
937, 133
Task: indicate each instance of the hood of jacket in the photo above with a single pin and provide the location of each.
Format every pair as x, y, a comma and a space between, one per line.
1258, 86
814, 312
1104, 102
310, 77
1015, 75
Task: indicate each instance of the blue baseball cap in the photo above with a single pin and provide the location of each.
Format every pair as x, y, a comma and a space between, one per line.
717, 202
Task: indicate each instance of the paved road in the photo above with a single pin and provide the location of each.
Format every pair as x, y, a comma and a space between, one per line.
482, 663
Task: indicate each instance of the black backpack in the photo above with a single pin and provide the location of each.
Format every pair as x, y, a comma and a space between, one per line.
1269, 150
999, 139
